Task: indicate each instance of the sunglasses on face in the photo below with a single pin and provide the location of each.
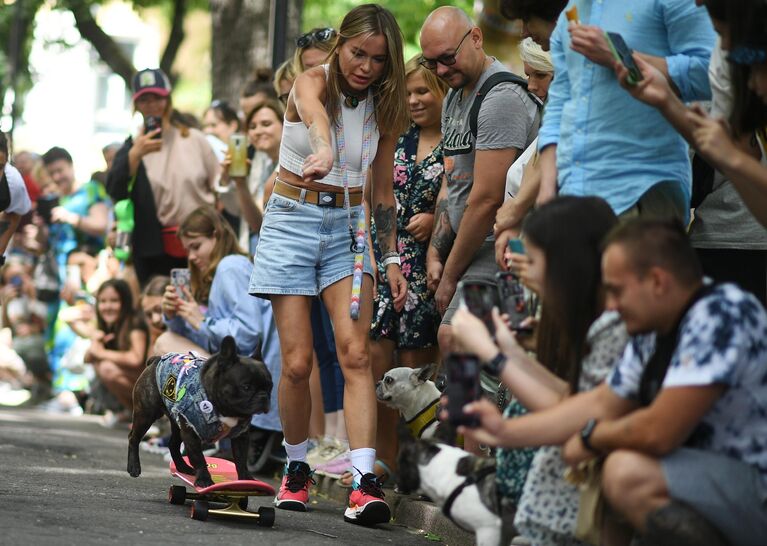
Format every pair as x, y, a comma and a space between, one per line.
310, 38
447, 59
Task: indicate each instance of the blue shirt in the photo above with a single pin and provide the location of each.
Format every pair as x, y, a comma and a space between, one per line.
722, 341
232, 312
609, 144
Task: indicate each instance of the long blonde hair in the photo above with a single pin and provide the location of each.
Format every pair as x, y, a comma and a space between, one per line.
389, 94
206, 222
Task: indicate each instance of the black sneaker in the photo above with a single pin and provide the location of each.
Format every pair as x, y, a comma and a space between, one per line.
260, 447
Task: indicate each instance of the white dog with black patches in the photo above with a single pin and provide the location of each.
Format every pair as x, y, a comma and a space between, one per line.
411, 392
460, 483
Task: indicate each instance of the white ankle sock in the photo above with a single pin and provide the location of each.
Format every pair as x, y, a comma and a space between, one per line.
296, 452
363, 460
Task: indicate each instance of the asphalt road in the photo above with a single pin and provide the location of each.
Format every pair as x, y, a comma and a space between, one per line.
65, 483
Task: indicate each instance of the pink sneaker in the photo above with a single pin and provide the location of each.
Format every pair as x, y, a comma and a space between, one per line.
294, 489
336, 467
366, 504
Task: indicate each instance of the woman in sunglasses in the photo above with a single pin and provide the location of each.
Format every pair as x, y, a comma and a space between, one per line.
313, 238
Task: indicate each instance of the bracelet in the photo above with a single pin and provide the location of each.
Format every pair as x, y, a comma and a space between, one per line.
495, 366
391, 260
586, 433
390, 254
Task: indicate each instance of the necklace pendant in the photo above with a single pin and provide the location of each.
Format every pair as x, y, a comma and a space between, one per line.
351, 101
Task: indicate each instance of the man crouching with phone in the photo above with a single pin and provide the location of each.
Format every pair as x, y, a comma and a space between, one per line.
679, 422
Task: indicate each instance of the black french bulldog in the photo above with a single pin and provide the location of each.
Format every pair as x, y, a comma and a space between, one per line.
205, 400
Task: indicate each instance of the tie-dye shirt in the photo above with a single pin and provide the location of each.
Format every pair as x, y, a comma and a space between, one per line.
722, 340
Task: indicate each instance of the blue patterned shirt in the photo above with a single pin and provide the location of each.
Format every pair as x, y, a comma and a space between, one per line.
722, 340
609, 144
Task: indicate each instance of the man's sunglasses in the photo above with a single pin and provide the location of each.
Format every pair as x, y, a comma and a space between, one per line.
448, 59
322, 35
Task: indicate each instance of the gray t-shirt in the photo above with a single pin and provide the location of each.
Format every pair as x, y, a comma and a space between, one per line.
508, 118
722, 220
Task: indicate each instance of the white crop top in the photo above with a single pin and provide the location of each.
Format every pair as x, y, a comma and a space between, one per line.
295, 147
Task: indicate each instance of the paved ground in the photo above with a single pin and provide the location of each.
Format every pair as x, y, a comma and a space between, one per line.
65, 483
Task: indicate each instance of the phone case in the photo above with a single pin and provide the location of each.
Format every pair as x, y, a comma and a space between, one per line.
181, 278
513, 299
623, 54
480, 299
462, 387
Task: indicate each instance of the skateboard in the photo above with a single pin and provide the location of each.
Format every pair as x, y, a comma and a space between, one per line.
226, 490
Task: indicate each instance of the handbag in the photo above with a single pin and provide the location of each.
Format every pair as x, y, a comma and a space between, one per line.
591, 504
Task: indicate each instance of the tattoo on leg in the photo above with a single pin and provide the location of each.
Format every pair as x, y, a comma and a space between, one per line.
443, 236
386, 228
4, 226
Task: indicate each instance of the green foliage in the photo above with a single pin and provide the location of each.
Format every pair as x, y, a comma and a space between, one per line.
410, 15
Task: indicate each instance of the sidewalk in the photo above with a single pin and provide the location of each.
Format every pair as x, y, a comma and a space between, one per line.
408, 510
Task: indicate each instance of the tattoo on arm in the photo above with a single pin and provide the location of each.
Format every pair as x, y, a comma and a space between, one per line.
317, 140
386, 228
4, 225
443, 236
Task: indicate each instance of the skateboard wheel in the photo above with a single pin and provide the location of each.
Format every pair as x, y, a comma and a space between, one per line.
266, 516
243, 503
177, 494
199, 510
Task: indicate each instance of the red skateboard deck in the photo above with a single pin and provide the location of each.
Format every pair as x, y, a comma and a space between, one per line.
226, 489
224, 476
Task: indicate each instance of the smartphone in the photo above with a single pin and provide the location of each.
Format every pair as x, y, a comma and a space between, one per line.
622, 53
511, 294
516, 246
238, 150
45, 204
480, 299
181, 278
151, 123
462, 388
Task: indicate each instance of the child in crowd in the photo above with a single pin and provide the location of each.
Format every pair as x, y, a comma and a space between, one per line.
119, 345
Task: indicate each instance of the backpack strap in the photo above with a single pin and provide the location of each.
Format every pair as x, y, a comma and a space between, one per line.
492, 81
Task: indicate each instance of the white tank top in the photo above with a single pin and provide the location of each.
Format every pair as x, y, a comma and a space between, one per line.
295, 147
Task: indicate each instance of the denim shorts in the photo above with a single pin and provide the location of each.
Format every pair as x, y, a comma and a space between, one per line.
303, 248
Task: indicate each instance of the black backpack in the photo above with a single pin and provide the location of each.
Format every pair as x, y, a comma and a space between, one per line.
492, 81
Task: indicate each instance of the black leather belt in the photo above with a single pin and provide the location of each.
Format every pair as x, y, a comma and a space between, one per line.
319, 198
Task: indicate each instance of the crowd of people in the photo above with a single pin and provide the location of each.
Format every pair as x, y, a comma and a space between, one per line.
620, 186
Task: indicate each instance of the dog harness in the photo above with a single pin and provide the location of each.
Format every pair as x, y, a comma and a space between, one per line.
178, 380
469, 481
424, 419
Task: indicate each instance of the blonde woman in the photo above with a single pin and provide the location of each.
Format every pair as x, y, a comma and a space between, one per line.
313, 235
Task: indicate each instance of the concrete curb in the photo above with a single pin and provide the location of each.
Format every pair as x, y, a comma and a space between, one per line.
407, 510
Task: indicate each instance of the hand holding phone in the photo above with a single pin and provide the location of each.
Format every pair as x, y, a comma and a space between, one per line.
462, 388
152, 123
181, 280
480, 299
624, 55
513, 300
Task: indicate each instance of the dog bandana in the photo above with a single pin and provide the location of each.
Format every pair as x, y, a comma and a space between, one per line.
178, 380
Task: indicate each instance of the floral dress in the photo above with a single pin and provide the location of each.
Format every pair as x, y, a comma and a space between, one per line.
416, 186
548, 509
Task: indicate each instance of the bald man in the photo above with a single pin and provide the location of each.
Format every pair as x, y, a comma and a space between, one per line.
475, 164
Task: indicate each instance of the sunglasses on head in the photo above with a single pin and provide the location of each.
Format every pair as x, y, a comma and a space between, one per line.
322, 35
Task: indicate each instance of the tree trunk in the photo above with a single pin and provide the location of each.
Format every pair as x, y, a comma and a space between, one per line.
240, 42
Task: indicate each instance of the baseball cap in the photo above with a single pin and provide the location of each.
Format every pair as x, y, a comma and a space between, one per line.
150, 80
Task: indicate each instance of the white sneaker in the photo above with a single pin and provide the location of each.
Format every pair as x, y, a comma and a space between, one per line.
327, 450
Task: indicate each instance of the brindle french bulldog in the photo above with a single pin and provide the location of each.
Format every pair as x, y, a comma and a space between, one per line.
205, 400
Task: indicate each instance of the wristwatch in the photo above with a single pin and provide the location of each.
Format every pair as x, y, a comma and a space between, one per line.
586, 433
496, 365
